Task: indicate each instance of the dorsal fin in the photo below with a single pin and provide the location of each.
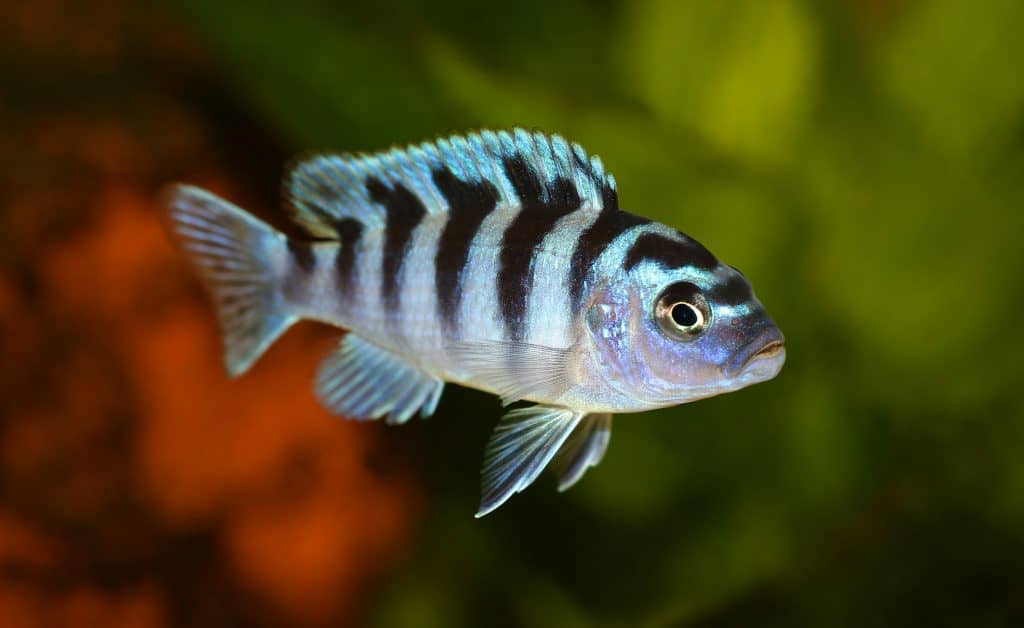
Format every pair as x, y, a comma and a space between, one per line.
326, 189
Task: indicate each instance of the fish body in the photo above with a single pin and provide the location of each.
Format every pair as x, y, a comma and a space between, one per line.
499, 261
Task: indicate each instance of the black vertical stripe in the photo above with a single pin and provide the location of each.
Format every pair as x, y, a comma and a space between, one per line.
594, 240
733, 291
523, 236
403, 210
303, 263
670, 253
469, 204
302, 255
349, 231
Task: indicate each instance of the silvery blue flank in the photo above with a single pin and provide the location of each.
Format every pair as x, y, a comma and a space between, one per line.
496, 260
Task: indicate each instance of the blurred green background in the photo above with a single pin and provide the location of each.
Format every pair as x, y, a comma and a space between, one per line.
862, 161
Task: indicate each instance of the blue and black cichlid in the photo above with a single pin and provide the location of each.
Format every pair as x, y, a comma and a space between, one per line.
495, 260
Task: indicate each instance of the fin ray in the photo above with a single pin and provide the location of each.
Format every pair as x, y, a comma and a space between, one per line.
522, 445
235, 254
362, 381
516, 370
324, 189
583, 449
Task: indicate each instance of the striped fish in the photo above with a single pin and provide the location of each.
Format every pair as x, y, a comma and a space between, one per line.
495, 260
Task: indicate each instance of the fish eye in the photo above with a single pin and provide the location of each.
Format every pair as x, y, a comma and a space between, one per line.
686, 315
682, 311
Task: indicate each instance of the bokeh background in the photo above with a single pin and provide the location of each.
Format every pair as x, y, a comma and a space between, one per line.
861, 160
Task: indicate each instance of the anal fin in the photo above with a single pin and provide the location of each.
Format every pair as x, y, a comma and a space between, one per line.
360, 380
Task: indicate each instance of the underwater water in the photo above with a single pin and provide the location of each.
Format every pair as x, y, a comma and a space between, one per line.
859, 160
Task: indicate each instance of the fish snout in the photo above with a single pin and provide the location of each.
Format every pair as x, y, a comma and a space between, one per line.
767, 345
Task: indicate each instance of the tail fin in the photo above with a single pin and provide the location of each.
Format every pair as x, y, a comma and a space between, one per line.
242, 261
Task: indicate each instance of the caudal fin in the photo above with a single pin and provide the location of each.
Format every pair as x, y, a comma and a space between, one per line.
242, 261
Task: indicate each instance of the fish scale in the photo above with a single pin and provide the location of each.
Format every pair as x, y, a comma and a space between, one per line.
495, 260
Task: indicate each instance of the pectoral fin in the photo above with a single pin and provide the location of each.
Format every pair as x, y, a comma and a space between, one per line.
583, 449
523, 443
517, 370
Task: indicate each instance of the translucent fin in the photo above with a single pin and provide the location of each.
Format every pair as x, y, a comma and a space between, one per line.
362, 381
431, 404
523, 444
584, 449
236, 255
324, 190
516, 370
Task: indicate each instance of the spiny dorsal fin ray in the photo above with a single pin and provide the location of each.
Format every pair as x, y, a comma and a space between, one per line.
526, 169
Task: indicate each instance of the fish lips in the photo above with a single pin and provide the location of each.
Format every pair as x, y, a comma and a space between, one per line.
762, 357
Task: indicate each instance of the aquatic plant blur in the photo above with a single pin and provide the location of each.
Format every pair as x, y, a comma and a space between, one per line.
859, 160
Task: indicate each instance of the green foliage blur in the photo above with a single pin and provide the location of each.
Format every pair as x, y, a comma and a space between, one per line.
861, 161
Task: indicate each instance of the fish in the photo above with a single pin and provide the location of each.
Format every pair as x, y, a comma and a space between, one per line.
495, 260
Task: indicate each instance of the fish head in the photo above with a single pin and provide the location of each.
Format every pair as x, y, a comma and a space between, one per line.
663, 336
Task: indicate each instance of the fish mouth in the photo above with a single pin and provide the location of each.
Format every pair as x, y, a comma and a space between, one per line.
772, 348
763, 355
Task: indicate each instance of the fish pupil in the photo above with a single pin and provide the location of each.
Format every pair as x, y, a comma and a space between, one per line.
684, 314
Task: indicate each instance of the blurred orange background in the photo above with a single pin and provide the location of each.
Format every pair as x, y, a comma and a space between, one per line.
140, 487
860, 160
